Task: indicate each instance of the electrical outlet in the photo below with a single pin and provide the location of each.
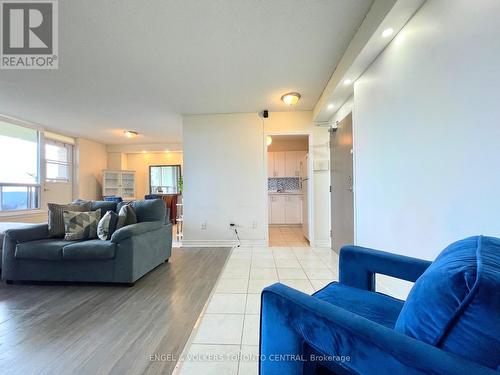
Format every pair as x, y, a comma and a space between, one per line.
204, 225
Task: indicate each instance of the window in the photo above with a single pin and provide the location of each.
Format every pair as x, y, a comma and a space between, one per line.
57, 161
19, 161
164, 179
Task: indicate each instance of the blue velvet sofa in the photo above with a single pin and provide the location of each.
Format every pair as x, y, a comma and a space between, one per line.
134, 250
449, 324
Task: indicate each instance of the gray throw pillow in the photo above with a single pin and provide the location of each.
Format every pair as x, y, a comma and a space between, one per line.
56, 220
107, 225
81, 225
126, 216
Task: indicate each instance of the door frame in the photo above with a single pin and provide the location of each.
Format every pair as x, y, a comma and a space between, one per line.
310, 184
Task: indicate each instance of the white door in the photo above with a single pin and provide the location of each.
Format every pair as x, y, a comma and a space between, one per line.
58, 183
279, 164
291, 164
270, 165
278, 213
293, 209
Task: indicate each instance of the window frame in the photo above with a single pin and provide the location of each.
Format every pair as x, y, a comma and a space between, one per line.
41, 140
164, 165
70, 149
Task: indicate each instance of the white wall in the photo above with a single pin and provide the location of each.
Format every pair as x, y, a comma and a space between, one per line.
427, 133
224, 175
91, 160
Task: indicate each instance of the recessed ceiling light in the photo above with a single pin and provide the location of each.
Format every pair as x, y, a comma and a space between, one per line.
387, 32
167, 151
291, 98
130, 133
144, 151
347, 82
330, 106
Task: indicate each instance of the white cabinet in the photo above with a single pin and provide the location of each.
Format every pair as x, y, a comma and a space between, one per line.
279, 164
285, 209
270, 164
285, 163
119, 183
277, 209
293, 209
291, 164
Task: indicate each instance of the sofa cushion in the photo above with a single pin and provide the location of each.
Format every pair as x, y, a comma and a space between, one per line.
81, 225
89, 250
376, 307
455, 304
107, 225
56, 220
126, 216
49, 249
105, 206
149, 210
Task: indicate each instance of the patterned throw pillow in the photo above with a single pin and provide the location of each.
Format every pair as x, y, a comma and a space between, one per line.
81, 225
126, 216
56, 220
107, 225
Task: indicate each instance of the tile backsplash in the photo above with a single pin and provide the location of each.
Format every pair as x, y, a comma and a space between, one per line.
285, 183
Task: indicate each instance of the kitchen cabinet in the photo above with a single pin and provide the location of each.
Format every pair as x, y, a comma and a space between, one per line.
285, 209
270, 165
293, 209
285, 163
277, 209
279, 164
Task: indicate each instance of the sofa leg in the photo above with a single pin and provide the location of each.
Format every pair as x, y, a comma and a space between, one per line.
130, 284
167, 260
10, 282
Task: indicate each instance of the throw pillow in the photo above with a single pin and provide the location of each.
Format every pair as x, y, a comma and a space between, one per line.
126, 216
56, 220
107, 225
81, 225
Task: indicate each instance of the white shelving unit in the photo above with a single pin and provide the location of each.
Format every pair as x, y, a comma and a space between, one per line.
119, 183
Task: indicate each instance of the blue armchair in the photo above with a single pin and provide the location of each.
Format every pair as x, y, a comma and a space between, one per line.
450, 323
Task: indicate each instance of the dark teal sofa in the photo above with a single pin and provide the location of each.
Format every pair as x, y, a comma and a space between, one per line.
134, 250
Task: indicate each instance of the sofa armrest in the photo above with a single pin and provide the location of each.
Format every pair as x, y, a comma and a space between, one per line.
136, 229
290, 319
31, 232
358, 266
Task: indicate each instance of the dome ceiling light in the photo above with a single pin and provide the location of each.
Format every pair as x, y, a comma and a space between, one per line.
291, 98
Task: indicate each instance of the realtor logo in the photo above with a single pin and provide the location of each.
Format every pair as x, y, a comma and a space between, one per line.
29, 37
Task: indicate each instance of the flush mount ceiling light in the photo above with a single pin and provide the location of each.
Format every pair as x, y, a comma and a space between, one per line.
387, 32
347, 82
290, 98
330, 106
130, 133
269, 140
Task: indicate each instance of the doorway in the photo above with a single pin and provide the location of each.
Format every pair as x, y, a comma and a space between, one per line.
288, 187
341, 177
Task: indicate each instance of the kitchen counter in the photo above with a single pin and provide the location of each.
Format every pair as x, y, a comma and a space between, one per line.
290, 192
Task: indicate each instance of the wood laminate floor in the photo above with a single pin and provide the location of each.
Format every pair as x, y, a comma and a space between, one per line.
107, 329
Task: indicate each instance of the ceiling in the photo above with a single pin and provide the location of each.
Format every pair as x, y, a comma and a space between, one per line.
141, 65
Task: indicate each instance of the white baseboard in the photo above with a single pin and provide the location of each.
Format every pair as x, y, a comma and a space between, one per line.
222, 243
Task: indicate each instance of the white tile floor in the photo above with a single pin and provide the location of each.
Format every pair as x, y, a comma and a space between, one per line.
227, 337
